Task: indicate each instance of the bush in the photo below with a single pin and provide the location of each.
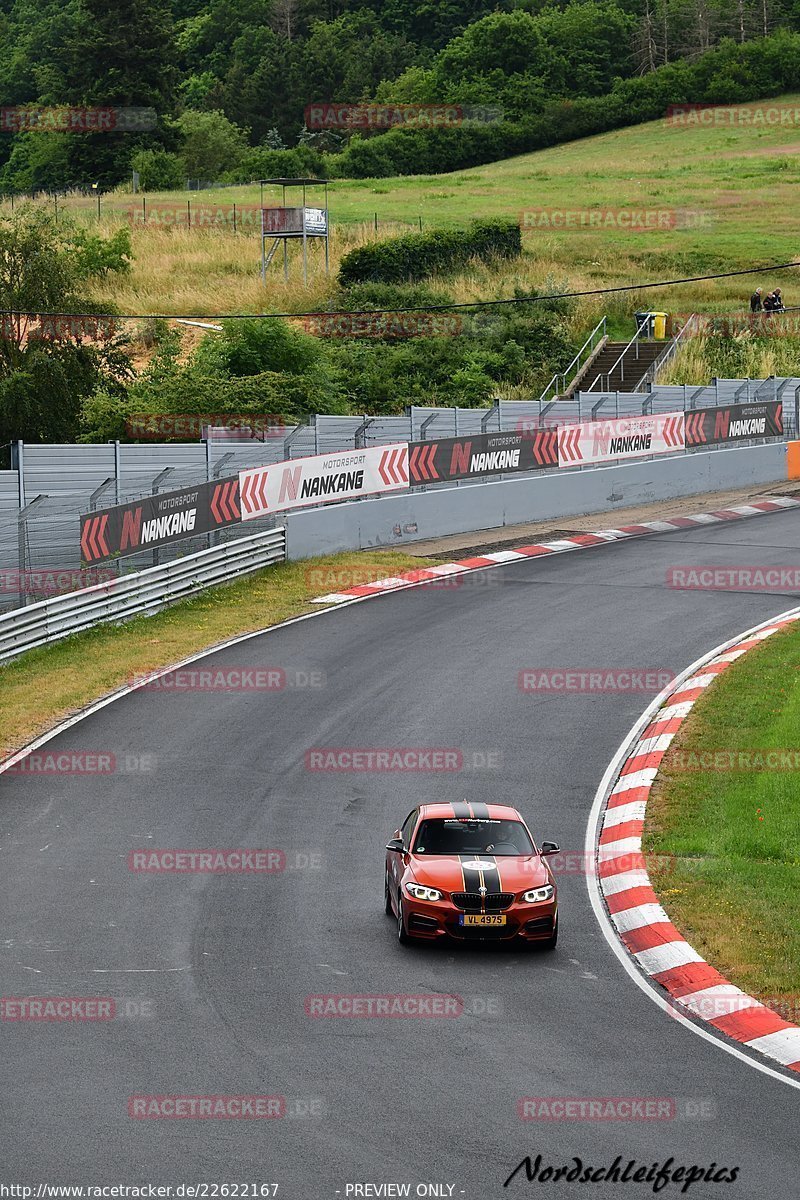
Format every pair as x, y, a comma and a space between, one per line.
251, 347
264, 163
95, 256
379, 297
158, 170
418, 255
211, 145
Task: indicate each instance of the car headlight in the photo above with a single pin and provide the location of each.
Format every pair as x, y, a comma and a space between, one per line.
538, 894
420, 892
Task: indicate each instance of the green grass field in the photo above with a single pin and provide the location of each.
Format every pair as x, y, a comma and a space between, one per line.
733, 836
46, 685
741, 180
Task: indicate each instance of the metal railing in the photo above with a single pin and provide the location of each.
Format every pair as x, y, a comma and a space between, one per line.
558, 384
137, 594
597, 382
666, 355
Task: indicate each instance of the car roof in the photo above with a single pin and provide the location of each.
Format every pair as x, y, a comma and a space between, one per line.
469, 808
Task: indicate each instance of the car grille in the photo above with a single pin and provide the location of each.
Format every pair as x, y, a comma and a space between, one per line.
492, 903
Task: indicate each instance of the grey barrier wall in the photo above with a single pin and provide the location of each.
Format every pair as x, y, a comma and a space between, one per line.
41, 501
477, 508
393, 521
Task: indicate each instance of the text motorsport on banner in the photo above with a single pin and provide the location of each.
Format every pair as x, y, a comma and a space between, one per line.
159, 520
323, 477
628, 437
734, 423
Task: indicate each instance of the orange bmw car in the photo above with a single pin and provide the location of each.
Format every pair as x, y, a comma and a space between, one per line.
470, 871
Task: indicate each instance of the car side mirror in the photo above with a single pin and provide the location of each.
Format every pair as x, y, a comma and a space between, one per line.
548, 848
395, 844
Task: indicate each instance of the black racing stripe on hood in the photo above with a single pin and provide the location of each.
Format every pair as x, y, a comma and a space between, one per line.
491, 877
471, 877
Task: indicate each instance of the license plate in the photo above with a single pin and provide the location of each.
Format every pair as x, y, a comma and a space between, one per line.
482, 919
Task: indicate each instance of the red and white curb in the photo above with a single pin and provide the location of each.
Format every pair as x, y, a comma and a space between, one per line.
579, 542
693, 987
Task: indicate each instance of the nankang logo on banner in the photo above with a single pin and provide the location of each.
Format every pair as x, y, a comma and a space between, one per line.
323, 477
629, 437
158, 520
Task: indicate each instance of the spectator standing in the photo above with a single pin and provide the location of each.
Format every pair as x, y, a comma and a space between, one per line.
774, 301
755, 301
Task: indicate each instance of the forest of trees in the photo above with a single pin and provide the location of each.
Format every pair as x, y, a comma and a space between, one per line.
230, 79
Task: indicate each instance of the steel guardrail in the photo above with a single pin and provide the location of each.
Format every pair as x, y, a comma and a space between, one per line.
137, 594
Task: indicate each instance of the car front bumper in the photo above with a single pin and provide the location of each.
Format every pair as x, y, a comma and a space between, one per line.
439, 919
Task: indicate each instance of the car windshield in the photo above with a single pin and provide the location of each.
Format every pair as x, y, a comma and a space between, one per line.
443, 835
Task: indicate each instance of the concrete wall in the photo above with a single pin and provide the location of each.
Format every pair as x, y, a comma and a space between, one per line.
398, 520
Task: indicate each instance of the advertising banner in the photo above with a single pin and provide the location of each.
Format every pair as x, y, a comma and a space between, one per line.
323, 478
734, 423
159, 520
593, 442
482, 454
293, 222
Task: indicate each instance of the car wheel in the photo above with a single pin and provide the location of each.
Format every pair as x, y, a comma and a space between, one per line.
387, 898
402, 936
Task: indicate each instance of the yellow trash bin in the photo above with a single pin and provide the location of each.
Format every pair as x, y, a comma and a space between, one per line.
659, 324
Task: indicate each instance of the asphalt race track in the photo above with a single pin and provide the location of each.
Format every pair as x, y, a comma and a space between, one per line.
211, 971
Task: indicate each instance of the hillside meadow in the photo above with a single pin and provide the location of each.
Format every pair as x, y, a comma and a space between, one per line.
723, 196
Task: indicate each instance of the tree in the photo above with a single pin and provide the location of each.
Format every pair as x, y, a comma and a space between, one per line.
45, 375
211, 144
593, 39
37, 162
123, 56
346, 59
507, 42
